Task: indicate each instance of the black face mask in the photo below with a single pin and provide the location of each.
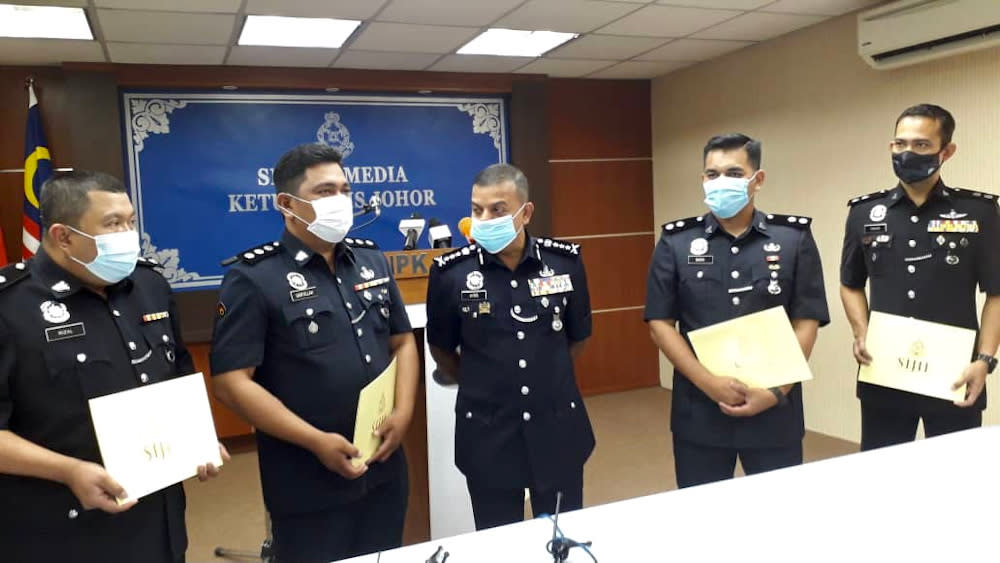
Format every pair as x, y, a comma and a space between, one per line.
911, 167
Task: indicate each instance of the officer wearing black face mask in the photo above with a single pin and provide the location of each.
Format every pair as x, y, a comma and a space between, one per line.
924, 247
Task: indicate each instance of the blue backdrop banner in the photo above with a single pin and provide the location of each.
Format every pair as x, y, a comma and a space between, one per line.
200, 165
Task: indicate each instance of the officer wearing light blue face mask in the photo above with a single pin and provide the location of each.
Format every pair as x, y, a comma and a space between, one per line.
734, 261
506, 316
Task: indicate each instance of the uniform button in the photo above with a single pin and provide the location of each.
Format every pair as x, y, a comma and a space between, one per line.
701, 274
572, 404
513, 283
368, 358
339, 281
73, 514
468, 415
361, 332
525, 390
736, 300
310, 311
144, 378
517, 309
349, 306
735, 274
914, 218
526, 416
131, 346
522, 364
911, 268
166, 338
520, 335
3, 279
81, 357
911, 294
912, 243
116, 313
735, 250
774, 275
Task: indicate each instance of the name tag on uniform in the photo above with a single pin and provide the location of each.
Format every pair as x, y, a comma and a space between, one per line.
303, 294
701, 260
474, 295
949, 226
876, 228
65, 332
550, 286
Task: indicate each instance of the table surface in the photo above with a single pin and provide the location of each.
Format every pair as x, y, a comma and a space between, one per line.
931, 500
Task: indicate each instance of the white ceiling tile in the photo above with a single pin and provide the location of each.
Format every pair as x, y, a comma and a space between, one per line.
245, 55
384, 60
564, 68
381, 36
634, 69
436, 12
151, 53
217, 6
576, 16
166, 27
480, 63
819, 7
725, 4
693, 50
667, 21
344, 9
758, 26
606, 47
48, 51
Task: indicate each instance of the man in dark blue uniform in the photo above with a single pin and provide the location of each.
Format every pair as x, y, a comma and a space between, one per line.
303, 325
732, 262
923, 247
79, 321
505, 318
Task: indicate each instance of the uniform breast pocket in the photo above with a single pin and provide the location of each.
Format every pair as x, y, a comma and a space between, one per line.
877, 257
953, 249
377, 303
161, 362
773, 286
700, 282
76, 370
310, 322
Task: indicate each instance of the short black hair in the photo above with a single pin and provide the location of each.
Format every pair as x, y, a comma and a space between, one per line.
497, 174
945, 121
64, 196
292, 166
732, 141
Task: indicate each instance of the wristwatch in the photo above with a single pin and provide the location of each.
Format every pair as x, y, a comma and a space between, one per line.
991, 362
783, 399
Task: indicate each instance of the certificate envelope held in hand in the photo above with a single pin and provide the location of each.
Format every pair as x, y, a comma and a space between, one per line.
759, 349
917, 356
155, 436
375, 404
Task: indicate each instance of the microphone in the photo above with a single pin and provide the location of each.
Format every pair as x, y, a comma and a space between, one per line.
438, 234
374, 205
465, 227
411, 228
559, 546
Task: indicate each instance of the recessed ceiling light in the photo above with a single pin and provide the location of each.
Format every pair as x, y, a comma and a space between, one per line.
47, 22
515, 42
280, 31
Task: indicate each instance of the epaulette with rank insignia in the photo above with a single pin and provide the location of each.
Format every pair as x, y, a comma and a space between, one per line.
789, 220
868, 197
13, 273
973, 194
254, 254
446, 260
570, 248
360, 243
671, 227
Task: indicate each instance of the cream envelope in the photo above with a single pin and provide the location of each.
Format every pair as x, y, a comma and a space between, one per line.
375, 404
155, 436
759, 349
917, 356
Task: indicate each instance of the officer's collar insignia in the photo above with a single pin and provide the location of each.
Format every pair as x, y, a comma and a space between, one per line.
61, 287
301, 256
474, 280
547, 272
954, 215
367, 274
296, 280
54, 312
772, 247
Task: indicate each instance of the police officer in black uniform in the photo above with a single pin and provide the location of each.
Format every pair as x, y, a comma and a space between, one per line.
303, 325
732, 262
505, 318
923, 247
79, 321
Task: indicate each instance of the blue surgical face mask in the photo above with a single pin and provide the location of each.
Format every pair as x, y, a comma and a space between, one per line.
117, 254
726, 196
495, 235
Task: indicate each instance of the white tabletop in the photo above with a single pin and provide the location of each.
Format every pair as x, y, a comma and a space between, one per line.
932, 500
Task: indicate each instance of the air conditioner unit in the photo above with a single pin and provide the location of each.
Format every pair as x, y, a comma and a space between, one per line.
908, 32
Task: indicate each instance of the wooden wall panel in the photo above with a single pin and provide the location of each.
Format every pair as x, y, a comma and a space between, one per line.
227, 423
616, 270
600, 118
619, 356
602, 197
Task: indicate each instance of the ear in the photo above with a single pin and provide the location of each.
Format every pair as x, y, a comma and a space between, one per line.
529, 210
759, 181
948, 152
59, 234
281, 203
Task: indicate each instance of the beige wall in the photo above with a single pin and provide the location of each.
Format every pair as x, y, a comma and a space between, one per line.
825, 119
